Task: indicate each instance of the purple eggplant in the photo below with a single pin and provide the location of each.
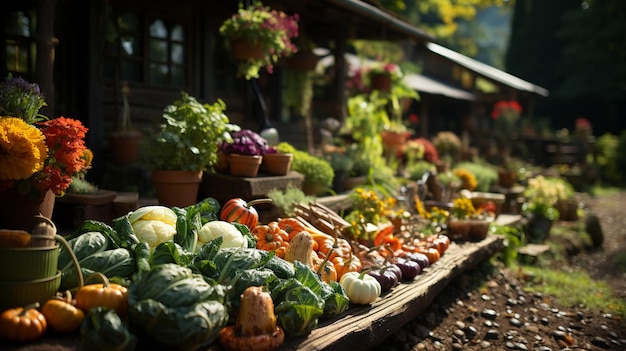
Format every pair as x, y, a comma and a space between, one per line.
410, 269
418, 257
387, 276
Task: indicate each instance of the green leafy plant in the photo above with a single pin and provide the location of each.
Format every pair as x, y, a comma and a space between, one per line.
261, 26
315, 170
285, 199
189, 136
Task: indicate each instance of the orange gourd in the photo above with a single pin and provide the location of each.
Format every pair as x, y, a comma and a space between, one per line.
269, 237
106, 294
62, 315
239, 211
22, 323
291, 225
344, 265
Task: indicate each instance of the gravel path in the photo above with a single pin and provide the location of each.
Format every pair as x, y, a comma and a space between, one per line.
488, 309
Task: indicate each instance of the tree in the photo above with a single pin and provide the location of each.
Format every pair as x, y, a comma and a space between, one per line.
577, 53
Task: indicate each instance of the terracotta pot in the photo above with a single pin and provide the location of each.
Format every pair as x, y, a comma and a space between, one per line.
242, 50
125, 148
303, 61
352, 182
221, 166
381, 82
19, 212
459, 229
479, 229
244, 165
276, 164
176, 188
506, 178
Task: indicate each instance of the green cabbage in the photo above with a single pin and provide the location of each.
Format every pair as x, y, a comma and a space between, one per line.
176, 307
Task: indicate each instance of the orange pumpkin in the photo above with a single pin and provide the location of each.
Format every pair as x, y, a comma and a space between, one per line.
22, 324
62, 315
269, 237
344, 265
113, 296
291, 225
240, 211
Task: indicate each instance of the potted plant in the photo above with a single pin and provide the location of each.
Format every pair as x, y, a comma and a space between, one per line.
125, 140
448, 146
317, 172
39, 155
245, 152
267, 32
541, 194
185, 146
459, 221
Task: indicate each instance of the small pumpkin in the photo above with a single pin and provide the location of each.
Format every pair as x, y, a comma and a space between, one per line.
23, 323
361, 288
105, 294
62, 315
240, 211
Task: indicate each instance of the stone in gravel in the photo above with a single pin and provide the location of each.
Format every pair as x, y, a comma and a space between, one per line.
459, 333
421, 331
470, 332
560, 335
600, 342
459, 324
510, 345
489, 314
492, 334
544, 321
488, 323
515, 322
521, 346
485, 297
457, 346
542, 348
485, 344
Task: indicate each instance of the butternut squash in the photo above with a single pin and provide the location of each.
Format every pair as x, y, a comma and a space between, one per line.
300, 248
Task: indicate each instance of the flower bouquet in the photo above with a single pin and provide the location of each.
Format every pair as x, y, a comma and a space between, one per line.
267, 31
39, 156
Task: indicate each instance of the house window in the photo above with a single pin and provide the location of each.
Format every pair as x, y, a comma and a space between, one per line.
151, 51
20, 46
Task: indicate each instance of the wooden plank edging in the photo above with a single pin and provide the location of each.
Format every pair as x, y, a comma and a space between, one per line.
364, 327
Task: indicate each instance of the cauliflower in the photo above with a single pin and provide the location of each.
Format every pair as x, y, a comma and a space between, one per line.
154, 224
232, 237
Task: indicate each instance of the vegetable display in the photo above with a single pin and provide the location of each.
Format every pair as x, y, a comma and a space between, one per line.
186, 277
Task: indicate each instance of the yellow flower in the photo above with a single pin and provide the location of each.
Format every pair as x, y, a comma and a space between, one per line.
23, 149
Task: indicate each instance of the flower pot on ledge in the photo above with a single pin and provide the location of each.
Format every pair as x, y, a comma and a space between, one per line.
176, 188
277, 164
244, 165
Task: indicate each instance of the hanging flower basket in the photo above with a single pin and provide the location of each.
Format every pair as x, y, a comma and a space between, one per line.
243, 50
381, 82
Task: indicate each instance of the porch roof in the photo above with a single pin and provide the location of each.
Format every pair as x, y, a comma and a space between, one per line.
424, 84
486, 70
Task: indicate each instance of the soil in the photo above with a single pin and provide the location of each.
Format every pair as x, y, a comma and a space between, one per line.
487, 308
